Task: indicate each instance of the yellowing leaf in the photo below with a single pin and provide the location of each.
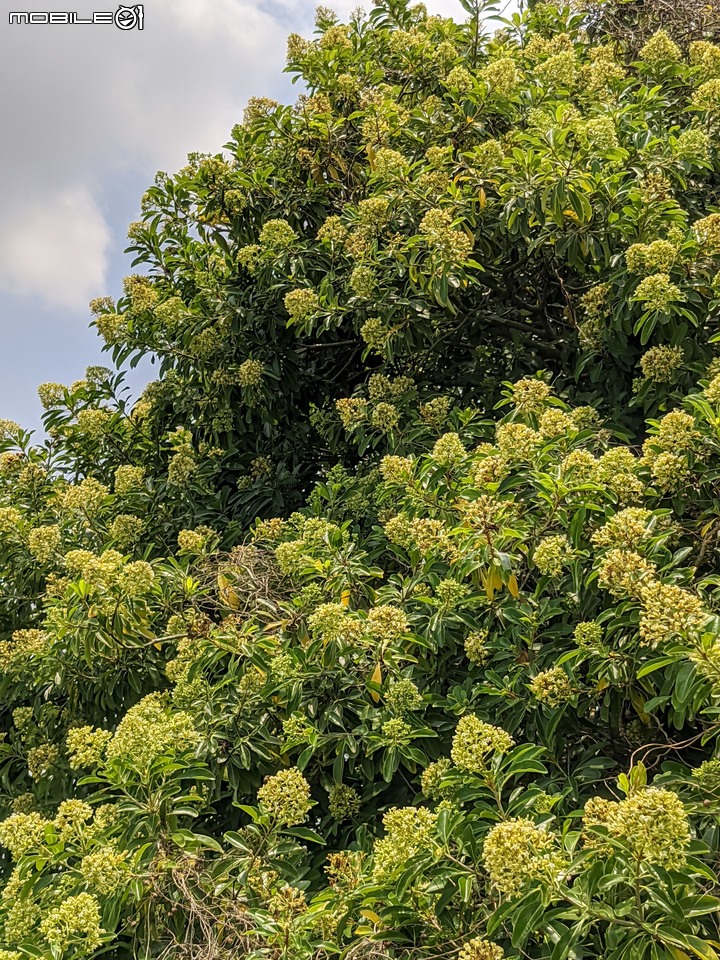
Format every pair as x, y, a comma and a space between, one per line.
370, 915
638, 702
487, 581
345, 598
512, 586
227, 594
483, 198
376, 678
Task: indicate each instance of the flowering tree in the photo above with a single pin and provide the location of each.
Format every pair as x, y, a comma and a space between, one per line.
384, 625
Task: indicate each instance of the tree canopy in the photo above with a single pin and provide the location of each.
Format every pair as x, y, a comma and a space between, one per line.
384, 624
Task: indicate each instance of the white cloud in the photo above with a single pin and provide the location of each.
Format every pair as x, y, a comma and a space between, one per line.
95, 106
54, 246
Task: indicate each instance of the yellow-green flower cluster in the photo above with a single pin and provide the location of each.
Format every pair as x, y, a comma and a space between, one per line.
588, 635
396, 732
435, 412
625, 573
669, 611
552, 687
396, 470
43, 542
655, 257
555, 423
86, 746
486, 157
475, 742
516, 441
21, 648
277, 235
10, 519
403, 697
352, 411
126, 530
375, 333
51, 394
332, 231
408, 832
363, 282
432, 777
479, 949
517, 852
708, 775
21, 832
581, 463
601, 134
560, 70
552, 555
343, 802
529, 396
669, 470
101, 305
249, 256
302, 303
387, 623
651, 824
112, 327
389, 164
693, 144
706, 56
333, 622
501, 75
423, 533
286, 797
712, 391
438, 230
707, 231
448, 450
88, 496
603, 70
75, 921
141, 292
22, 717
250, 374
594, 300
657, 292
8, 428
460, 79
94, 422
196, 540
660, 363
707, 96
149, 730
676, 432
475, 646
627, 529
616, 470
128, 479
41, 760
137, 578
385, 416
104, 869
71, 818
660, 49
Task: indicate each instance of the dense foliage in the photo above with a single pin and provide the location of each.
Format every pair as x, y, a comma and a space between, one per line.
384, 624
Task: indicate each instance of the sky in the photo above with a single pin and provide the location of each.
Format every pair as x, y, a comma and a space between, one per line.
88, 114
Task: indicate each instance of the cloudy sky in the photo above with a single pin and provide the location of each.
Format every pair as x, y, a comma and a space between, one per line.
88, 115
